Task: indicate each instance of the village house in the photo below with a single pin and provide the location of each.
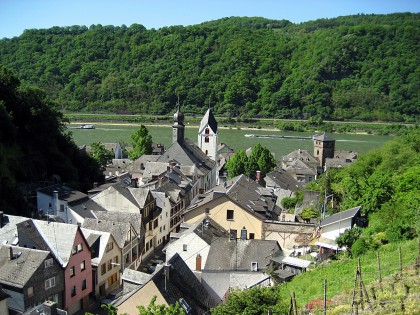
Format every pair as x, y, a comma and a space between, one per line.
237, 263
106, 261
126, 239
237, 203
126, 199
193, 242
171, 283
29, 277
332, 226
70, 249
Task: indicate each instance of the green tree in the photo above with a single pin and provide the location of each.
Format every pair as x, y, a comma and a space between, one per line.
309, 213
260, 159
236, 164
142, 143
254, 301
153, 309
349, 237
102, 155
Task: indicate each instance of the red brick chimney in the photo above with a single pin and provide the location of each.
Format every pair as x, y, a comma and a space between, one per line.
198, 262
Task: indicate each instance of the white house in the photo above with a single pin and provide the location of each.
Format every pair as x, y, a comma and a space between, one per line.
336, 224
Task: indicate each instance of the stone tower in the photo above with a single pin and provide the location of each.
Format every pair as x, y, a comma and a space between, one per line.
178, 128
208, 136
324, 147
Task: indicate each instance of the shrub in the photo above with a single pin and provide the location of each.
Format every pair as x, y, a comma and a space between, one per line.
359, 247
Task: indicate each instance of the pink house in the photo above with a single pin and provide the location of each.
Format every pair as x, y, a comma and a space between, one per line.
71, 250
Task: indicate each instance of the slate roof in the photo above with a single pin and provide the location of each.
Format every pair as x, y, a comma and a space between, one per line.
119, 230
184, 284
64, 193
208, 119
152, 169
188, 154
248, 194
300, 167
341, 216
206, 229
135, 276
134, 218
323, 138
296, 262
84, 208
336, 162
8, 229
226, 254
18, 271
56, 237
135, 167
281, 179
140, 195
299, 154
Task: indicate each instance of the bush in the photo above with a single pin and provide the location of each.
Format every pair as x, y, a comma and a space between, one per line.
359, 247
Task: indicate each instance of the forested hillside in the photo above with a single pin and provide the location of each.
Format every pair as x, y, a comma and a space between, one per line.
354, 67
35, 147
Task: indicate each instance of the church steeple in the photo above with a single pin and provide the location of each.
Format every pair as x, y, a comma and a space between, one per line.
208, 135
178, 127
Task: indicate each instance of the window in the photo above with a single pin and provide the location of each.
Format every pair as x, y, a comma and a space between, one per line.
79, 247
207, 131
73, 290
155, 223
109, 246
116, 259
109, 264
251, 236
74, 250
82, 265
30, 291
48, 263
103, 269
62, 208
229, 215
84, 284
206, 139
112, 279
72, 272
184, 247
49, 283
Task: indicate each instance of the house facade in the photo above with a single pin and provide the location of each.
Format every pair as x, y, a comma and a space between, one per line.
106, 262
29, 277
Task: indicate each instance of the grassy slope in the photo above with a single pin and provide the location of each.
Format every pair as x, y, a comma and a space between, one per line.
340, 274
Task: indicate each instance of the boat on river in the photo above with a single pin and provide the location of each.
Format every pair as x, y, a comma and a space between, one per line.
87, 127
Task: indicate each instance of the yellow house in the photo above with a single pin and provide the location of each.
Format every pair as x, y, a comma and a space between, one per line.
239, 203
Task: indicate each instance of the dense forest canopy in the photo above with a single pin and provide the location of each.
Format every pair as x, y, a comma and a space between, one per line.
353, 67
35, 147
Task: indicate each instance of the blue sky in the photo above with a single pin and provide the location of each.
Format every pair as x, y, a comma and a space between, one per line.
18, 15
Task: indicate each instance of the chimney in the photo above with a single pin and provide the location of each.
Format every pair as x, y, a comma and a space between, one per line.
198, 262
11, 253
258, 176
244, 233
50, 308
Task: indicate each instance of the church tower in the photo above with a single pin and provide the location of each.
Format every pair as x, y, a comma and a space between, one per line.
178, 128
324, 147
208, 136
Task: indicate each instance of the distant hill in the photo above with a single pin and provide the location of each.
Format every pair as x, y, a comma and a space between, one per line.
353, 67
